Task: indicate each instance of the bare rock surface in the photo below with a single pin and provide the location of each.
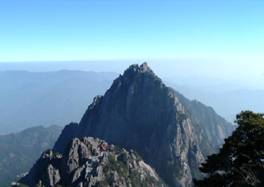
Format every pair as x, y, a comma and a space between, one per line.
172, 134
91, 162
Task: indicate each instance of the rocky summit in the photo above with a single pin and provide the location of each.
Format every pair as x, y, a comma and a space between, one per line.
91, 162
171, 133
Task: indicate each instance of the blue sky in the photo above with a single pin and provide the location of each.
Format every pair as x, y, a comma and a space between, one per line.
42, 30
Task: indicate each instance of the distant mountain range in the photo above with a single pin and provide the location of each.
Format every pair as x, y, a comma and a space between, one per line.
59, 97
218, 96
18, 151
172, 134
46, 98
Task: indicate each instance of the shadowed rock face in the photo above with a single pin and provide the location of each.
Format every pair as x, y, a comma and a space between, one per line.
171, 133
91, 162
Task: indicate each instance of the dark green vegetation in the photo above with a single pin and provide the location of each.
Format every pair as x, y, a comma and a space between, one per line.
19, 151
240, 162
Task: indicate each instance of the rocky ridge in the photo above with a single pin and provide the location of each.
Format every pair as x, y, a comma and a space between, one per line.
91, 162
171, 133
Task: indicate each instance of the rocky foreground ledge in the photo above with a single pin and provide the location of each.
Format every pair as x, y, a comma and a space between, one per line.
91, 162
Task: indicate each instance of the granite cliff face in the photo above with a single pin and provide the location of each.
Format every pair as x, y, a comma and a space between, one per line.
171, 133
91, 162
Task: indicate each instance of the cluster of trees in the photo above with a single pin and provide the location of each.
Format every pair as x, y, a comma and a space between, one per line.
240, 162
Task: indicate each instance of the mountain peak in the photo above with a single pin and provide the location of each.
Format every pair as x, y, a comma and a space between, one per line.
135, 77
144, 67
140, 112
135, 68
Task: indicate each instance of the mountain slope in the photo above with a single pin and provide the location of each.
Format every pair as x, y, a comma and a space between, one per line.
20, 150
171, 133
91, 162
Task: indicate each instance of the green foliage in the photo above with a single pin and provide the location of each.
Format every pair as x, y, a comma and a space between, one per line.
240, 161
248, 119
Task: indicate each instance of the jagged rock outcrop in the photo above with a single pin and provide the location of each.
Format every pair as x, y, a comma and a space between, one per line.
171, 133
91, 162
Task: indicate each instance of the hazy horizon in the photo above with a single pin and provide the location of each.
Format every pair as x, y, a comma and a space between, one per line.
244, 75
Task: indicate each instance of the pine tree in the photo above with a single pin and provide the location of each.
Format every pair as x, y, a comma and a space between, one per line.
240, 162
